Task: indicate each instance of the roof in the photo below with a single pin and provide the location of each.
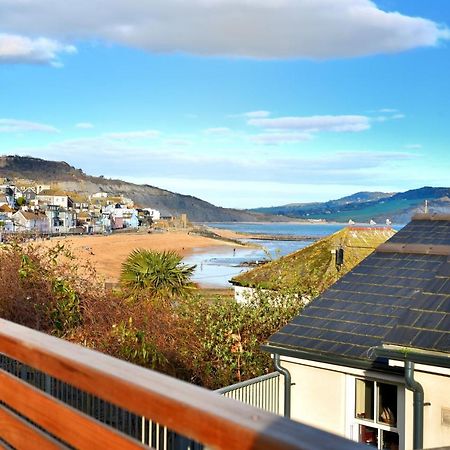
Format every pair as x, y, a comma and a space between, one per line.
315, 264
30, 215
398, 295
52, 192
5, 208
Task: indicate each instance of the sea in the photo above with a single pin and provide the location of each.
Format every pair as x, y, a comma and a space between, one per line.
215, 268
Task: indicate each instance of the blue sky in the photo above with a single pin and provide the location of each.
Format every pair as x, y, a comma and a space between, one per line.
243, 103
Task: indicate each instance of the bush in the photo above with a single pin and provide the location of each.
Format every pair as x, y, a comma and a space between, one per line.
227, 335
213, 343
43, 288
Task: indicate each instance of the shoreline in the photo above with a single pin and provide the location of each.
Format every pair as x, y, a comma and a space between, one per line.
107, 253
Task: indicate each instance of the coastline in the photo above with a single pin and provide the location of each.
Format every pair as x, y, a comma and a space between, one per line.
107, 253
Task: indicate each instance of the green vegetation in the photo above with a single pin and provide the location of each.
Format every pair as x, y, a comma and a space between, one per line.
159, 274
213, 342
21, 201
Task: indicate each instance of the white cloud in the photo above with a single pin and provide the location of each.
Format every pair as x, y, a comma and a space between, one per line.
316, 29
385, 118
177, 142
84, 125
129, 159
15, 48
280, 138
142, 134
19, 126
151, 162
388, 110
256, 114
413, 146
315, 123
221, 131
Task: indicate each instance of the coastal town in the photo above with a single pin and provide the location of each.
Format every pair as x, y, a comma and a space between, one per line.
43, 209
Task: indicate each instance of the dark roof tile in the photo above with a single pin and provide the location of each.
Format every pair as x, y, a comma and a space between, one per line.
426, 339
443, 344
444, 324
429, 320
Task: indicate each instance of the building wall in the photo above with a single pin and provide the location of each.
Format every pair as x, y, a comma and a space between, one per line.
318, 397
436, 416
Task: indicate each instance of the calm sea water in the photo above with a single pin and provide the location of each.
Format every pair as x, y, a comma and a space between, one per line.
215, 269
292, 229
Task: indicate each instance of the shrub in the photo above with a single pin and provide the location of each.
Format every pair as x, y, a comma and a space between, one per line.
160, 274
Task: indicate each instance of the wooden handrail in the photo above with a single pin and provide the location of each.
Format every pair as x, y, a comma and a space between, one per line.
187, 409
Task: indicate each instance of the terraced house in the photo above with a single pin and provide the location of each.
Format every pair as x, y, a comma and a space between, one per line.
369, 359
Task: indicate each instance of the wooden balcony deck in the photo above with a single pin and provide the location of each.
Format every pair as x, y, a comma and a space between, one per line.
32, 419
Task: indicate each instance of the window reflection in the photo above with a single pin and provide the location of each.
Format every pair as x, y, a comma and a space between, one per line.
387, 404
364, 399
368, 435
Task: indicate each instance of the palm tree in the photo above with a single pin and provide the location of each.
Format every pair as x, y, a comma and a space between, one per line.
159, 273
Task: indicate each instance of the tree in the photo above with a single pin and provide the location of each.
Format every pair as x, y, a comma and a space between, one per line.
160, 274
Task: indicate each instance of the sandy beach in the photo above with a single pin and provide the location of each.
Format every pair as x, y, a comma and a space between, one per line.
107, 253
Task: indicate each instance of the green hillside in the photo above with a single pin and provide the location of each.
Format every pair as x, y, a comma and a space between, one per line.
362, 207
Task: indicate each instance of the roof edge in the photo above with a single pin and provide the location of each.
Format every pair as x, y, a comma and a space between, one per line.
420, 249
430, 216
404, 353
330, 359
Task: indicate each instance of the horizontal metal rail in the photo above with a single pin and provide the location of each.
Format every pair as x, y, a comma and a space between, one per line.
261, 392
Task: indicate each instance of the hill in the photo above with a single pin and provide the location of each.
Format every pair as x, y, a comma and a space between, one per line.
365, 206
70, 179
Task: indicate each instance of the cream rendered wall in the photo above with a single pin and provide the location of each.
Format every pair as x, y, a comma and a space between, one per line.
437, 392
318, 397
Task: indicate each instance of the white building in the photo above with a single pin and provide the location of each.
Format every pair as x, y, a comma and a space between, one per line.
30, 221
154, 214
49, 197
99, 195
61, 220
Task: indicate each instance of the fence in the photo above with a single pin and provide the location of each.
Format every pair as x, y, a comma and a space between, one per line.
54, 394
262, 392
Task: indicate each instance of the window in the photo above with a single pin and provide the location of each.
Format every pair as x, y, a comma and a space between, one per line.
375, 414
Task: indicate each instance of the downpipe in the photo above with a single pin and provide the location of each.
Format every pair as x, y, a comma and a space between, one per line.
418, 404
287, 384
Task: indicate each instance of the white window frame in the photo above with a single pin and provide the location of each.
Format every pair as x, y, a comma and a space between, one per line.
352, 422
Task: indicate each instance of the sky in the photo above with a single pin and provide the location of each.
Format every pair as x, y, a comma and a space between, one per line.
243, 103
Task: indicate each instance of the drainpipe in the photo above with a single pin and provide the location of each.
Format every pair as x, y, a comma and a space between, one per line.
287, 384
417, 390
425, 357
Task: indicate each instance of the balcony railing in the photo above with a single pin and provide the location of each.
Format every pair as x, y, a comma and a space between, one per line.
31, 416
262, 392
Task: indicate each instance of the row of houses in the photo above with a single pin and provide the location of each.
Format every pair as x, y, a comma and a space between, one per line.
41, 209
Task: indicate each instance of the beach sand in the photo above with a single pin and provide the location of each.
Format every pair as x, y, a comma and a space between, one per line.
107, 253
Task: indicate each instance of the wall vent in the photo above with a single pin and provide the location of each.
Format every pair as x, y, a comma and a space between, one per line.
445, 416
